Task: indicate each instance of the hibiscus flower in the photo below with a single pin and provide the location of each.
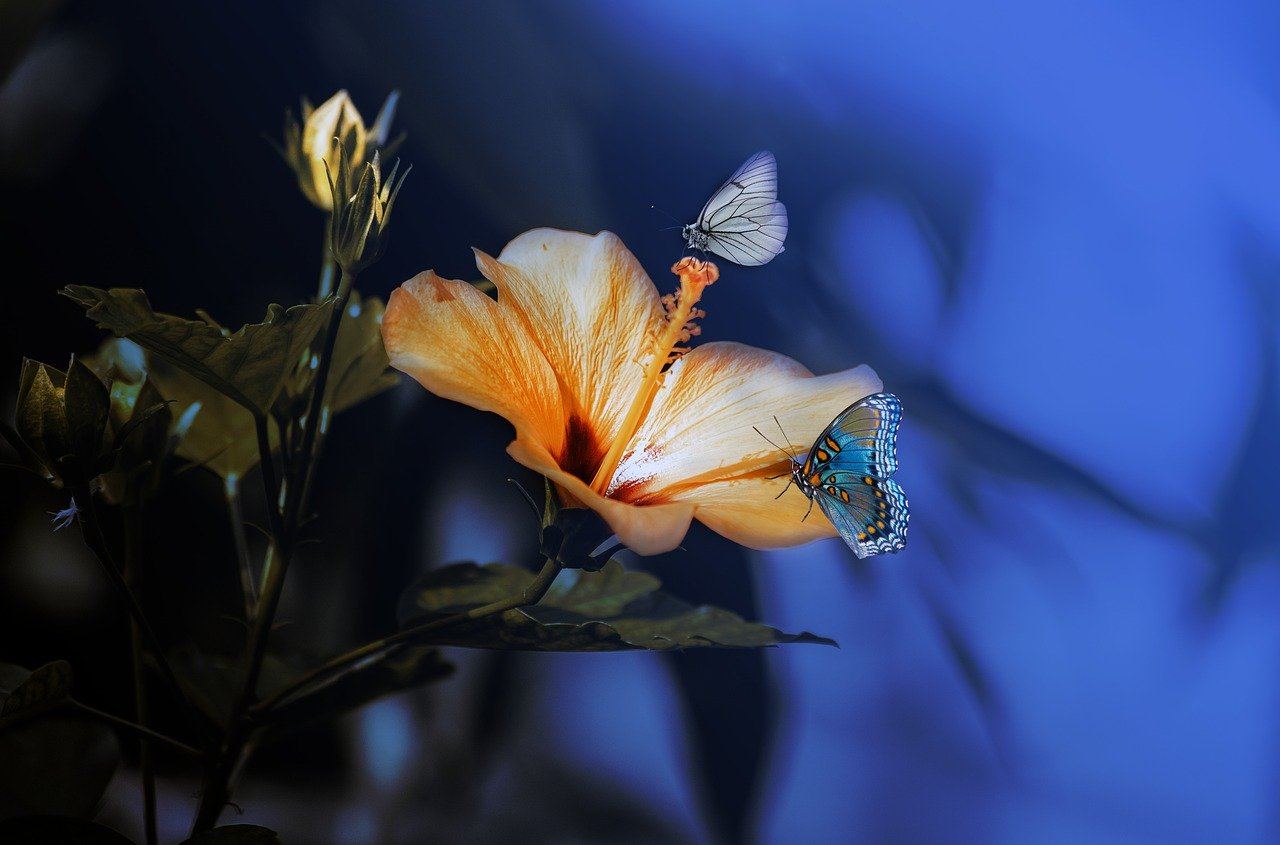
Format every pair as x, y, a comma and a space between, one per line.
592, 367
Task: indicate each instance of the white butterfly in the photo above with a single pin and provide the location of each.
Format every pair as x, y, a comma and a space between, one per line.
743, 221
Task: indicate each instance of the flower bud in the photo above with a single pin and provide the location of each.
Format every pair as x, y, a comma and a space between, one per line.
61, 419
332, 133
140, 422
361, 212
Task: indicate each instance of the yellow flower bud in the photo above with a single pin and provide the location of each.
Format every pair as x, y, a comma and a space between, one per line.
311, 147
335, 122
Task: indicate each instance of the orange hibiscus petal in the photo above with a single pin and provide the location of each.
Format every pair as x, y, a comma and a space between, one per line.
593, 311
460, 344
647, 530
749, 512
699, 442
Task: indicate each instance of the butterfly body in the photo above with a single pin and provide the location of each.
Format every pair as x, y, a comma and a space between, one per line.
848, 474
743, 221
695, 238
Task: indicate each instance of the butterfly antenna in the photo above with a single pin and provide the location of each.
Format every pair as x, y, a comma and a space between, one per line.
785, 439
791, 478
770, 442
668, 215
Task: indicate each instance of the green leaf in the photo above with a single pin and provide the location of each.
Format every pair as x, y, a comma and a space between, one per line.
87, 404
401, 668
235, 834
50, 763
212, 681
609, 610
213, 431
359, 368
220, 434
248, 366
144, 435
40, 419
550, 503
140, 421
59, 829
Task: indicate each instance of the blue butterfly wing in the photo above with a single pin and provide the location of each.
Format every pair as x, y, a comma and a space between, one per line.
853, 461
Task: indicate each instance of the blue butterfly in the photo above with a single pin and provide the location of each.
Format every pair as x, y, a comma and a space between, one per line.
847, 472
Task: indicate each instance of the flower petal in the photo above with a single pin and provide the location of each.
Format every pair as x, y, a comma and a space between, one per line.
334, 118
699, 444
750, 512
460, 344
647, 530
592, 310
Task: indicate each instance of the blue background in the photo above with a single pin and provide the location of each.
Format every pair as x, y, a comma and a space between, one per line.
1052, 228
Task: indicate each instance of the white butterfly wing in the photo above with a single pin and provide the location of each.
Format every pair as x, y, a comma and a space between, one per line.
743, 220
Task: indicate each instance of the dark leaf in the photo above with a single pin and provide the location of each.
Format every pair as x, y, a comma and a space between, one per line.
235, 834
211, 430
575, 536
46, 687
212, 681
402, 668
39, 418
550, 503
610, 610
87, 405
219, 434
50, 763
63, 830
141, 423
145, 433
359, 368
248, 366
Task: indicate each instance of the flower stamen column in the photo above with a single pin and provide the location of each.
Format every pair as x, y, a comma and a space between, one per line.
681, 326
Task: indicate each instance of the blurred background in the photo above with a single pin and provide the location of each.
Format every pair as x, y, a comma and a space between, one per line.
1052, 227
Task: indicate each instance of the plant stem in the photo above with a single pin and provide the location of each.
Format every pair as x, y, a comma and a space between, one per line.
133, 727
91, 530
327, 268
316, 413
530, 595
235, 514
267, 467
133, 578
218, 779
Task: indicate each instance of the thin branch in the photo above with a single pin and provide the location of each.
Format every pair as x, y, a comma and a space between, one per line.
266, 465
284, 523
530, 595
91, 531
133, 727
235, 514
